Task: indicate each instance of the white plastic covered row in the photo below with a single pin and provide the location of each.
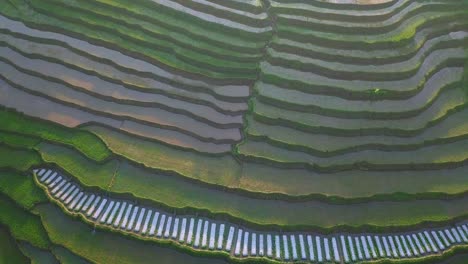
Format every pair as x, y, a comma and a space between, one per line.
253, 248
139, 220
154, 224
212, 236
237, 249
81, 203
161, 224
277, 247
269, 246
182, 230
175, 230
344, 249
147, 221
245, 246
190, 231
310, 244
72, 195
230, 238
336, 253
220, 236
261, 245
379, 246
293, 247
132, 218
285, 247
167, 229
205, 234
352, 248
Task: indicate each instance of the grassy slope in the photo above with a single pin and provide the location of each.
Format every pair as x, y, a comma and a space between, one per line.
22, 161
259, 178
22, 224
458, 259
21, 188
37, 255
88, 172
140, 183
222, 170
105, 247
18, 192
9, 251
17, 140
348, 184
65, 256
85, 142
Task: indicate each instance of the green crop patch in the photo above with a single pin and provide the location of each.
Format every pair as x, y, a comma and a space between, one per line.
37, 255
221, 170
21, 188
22, 224
64, 255
84, 141
86, 171
9, 250
17, 140
18, 159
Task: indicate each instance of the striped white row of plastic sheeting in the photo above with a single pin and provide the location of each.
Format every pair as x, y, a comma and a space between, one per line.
205, 234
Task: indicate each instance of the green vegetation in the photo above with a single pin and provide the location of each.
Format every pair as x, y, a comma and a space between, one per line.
9, 251
17, 140
37, 255
223, 170
377, 93
106, 247
22, 161
274, 212
65, 256
22, 224
87, 172
21, 188
84, 141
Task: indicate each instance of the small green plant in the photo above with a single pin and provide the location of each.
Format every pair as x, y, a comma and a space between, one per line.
376, 92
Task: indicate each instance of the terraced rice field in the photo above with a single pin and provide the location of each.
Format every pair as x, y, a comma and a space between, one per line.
253, 131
